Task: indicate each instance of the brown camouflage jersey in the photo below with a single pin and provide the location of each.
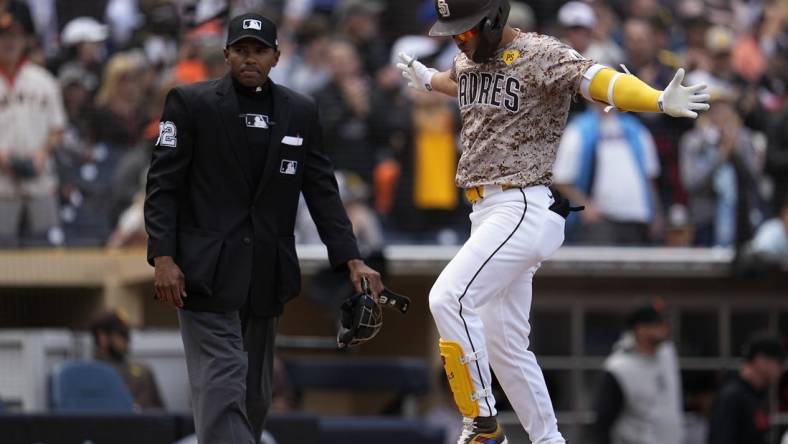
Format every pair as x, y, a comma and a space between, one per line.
514, 109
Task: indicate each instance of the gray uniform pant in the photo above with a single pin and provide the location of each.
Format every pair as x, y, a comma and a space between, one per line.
229, 358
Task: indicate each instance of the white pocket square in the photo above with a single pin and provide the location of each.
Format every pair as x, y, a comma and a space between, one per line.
294, 141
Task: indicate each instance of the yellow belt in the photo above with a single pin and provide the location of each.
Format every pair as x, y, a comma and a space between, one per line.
475, 194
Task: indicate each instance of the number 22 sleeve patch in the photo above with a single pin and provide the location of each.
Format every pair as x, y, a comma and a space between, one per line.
168, 134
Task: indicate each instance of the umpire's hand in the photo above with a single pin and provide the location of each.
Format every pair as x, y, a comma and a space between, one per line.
169, 282
359, 270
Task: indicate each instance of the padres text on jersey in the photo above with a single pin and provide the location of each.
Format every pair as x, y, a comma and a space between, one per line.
514, 109
494, 89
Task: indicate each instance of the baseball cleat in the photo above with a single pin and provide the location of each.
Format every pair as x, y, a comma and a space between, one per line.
482, 430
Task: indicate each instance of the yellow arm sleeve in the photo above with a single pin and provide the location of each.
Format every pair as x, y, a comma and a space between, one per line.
624, 91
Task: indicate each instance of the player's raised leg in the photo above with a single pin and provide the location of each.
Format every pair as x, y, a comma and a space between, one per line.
504, 243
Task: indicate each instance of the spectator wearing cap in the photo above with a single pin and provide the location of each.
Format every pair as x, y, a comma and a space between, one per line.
577, 20
638, 399
579, 26
720, 171
111, 344
31, 126
82, 43
739, 414
68, 11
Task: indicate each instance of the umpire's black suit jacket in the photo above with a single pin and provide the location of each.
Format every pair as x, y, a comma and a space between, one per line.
231, 237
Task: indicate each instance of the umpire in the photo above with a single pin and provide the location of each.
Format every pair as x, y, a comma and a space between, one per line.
231, 159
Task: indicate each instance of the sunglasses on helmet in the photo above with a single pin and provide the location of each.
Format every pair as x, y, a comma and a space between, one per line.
467, 35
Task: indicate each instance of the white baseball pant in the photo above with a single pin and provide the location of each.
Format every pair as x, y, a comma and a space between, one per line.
482, 300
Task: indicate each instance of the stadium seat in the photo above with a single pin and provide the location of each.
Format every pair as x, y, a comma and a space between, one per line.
405, 377
88, 386
399, 375
380, 430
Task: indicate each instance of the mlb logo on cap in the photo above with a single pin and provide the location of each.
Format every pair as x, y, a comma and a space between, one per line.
253, 24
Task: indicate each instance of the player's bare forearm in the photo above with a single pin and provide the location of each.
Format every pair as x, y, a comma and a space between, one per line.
442, 82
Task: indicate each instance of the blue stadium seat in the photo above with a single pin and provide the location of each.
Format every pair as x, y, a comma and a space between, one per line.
88, 386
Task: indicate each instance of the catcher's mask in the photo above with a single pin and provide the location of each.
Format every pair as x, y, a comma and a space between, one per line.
458, 16
361, 320
362, 316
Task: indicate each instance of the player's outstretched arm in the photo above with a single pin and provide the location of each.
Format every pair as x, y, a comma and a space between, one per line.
426, 79
628, 93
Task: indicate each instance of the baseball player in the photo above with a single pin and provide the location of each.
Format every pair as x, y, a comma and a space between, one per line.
514, 90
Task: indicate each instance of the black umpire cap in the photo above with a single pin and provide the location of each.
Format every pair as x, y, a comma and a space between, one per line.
254, 26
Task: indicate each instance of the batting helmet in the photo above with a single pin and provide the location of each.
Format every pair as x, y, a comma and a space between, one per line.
458, 16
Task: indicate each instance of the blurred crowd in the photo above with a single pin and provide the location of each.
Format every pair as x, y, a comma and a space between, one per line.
83, 84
